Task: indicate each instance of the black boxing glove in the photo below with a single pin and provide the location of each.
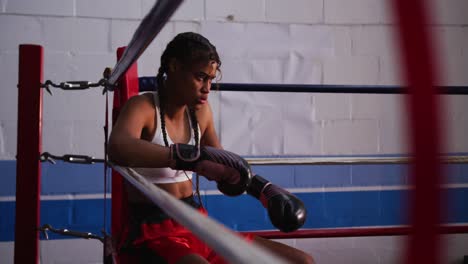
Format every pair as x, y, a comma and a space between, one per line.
231, 172
286, 211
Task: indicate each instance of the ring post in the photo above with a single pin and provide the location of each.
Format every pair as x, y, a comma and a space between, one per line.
127, 87
28, 167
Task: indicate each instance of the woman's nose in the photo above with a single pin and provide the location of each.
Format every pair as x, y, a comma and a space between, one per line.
206, 87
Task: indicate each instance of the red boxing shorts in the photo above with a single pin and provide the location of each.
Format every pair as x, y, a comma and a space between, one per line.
165, 240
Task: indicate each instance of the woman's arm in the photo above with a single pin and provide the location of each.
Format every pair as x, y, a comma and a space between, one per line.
126, 148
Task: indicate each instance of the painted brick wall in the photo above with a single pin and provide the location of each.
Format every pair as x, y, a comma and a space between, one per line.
260, 41
317, 42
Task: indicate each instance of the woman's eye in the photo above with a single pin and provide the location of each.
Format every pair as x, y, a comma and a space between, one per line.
203, 77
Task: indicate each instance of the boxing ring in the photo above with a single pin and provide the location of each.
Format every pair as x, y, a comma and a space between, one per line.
425, 137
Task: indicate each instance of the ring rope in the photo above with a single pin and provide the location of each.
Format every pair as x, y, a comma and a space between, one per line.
149, 27
83, 159
217, 236
345, 160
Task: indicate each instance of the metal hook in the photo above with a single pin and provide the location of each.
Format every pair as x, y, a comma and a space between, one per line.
46, 156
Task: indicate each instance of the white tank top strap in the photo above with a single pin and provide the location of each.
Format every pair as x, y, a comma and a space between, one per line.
192, 133
158, 116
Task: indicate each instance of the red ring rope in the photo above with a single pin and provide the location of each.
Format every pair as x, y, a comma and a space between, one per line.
418, 59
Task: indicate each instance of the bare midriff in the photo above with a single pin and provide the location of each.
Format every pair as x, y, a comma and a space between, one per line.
178, 189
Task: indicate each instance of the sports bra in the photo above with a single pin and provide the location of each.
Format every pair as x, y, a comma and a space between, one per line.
165, 175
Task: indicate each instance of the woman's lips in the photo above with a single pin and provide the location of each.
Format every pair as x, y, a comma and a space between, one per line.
203, 100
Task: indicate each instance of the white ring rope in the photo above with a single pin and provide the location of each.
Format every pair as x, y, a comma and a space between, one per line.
231, 246
345, 160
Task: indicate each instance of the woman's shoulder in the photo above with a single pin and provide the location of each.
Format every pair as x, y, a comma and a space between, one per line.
140, 104
204, 116
142, 100
204, 113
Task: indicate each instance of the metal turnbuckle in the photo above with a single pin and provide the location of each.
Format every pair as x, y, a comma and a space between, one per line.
67, 232
70, 158
73, 85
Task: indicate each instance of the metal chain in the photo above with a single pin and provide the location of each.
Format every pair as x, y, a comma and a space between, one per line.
77, 85
67, 232
71, 158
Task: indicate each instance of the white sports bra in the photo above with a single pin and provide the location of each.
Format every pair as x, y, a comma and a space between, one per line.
165, 175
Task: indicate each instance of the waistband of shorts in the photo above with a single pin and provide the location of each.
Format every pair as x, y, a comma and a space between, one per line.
151, 213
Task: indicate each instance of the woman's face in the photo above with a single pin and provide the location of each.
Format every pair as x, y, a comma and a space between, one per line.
194, 82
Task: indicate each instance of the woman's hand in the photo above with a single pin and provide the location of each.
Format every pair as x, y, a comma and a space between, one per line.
229, 170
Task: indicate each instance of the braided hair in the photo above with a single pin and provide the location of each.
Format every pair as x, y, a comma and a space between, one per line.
188, 48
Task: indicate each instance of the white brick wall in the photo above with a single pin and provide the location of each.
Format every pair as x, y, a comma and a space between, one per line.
235, 119
267, 120
454, 69
315, 41
302, 133
235, 10
456, 123
390, 70
300, 70
124, 9
6, 251
270, 41
8, 105
236, 70
75, 34
9, 92
342, 40
370, 106
267, 71
43, 7
2, 140
57, 136
332, 107
85, 69
227, 37
351, 70
393, 125
356, 12
263, 41
266, 41
3, 5
373, 41
58, 65
121, 32
20, 30
187, 26
294, 11
332, 41
451, 40
9, 137
451, 12
190, 10
350, 137
464, 40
